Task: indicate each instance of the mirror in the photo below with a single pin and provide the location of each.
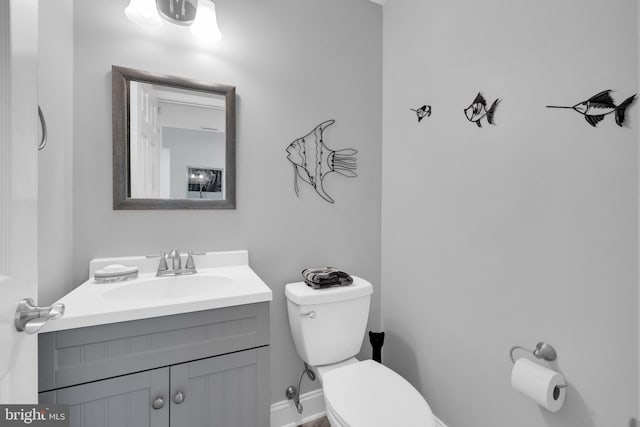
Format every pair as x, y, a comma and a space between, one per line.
173, 142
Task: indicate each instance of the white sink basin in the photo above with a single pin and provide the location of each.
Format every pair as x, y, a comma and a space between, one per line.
169, 287
224, 279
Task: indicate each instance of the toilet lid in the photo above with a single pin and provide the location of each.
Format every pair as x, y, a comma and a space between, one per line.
368, 394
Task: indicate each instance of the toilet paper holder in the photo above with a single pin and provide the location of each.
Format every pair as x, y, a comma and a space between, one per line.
542, 351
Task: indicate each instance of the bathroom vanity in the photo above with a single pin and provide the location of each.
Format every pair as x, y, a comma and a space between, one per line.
183, 367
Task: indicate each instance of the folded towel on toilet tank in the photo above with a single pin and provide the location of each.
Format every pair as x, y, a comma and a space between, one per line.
325, 277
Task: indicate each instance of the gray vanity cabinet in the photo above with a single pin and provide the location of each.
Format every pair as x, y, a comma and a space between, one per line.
201, 369
117, 402
220, 391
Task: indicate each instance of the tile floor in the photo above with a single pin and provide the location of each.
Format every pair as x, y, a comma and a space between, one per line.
322, 422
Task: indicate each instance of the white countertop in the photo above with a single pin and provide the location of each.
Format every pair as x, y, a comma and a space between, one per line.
225, 280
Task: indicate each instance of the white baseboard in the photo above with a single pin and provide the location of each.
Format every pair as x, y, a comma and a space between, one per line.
439, 422
284, 413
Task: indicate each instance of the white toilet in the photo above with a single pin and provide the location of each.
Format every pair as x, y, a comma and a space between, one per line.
328, 327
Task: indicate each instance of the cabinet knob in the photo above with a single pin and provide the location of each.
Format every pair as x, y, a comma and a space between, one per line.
158, 402
178, 398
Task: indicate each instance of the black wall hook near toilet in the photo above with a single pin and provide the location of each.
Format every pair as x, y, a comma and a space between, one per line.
377, 341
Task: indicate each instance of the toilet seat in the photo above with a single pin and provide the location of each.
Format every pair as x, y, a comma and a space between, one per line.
334, 419
368, 394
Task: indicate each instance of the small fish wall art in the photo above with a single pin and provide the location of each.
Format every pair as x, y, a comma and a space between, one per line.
599, 105
422, 112
312, 160
478, 110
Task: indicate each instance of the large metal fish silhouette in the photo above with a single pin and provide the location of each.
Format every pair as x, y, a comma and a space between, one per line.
313, 161
595, 108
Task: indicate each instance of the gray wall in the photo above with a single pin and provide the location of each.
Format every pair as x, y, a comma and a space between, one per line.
295, 63
518, 232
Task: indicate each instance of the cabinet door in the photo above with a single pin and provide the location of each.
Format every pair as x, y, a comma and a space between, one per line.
224, 391
118, 402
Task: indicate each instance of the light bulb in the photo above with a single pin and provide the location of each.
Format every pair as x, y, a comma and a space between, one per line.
144, 13
205, 26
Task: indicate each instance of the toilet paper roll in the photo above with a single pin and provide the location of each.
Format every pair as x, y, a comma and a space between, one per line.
539, 383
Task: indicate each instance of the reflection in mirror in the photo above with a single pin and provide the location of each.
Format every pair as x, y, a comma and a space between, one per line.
177, 143
178, 150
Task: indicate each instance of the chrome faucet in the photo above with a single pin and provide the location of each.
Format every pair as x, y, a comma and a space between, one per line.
176, 264
176, 261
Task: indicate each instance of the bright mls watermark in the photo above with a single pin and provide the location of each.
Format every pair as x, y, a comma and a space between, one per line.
34, 415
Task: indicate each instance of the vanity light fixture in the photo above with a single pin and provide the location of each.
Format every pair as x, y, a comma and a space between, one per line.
198, 15
179, 12
143, 13
205, 26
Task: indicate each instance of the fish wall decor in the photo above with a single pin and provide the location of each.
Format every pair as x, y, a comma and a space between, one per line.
478, 110
422, 112
313, 161
599, 105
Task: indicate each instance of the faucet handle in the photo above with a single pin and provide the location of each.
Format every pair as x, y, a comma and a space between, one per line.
191, 265
162, 265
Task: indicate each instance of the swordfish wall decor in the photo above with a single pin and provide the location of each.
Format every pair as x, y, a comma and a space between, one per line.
599, 105
313, 161
593, 109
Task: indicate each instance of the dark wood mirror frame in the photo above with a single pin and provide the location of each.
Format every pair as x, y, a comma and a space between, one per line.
121, 139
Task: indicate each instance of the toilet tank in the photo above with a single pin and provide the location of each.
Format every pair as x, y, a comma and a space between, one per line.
328, 324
